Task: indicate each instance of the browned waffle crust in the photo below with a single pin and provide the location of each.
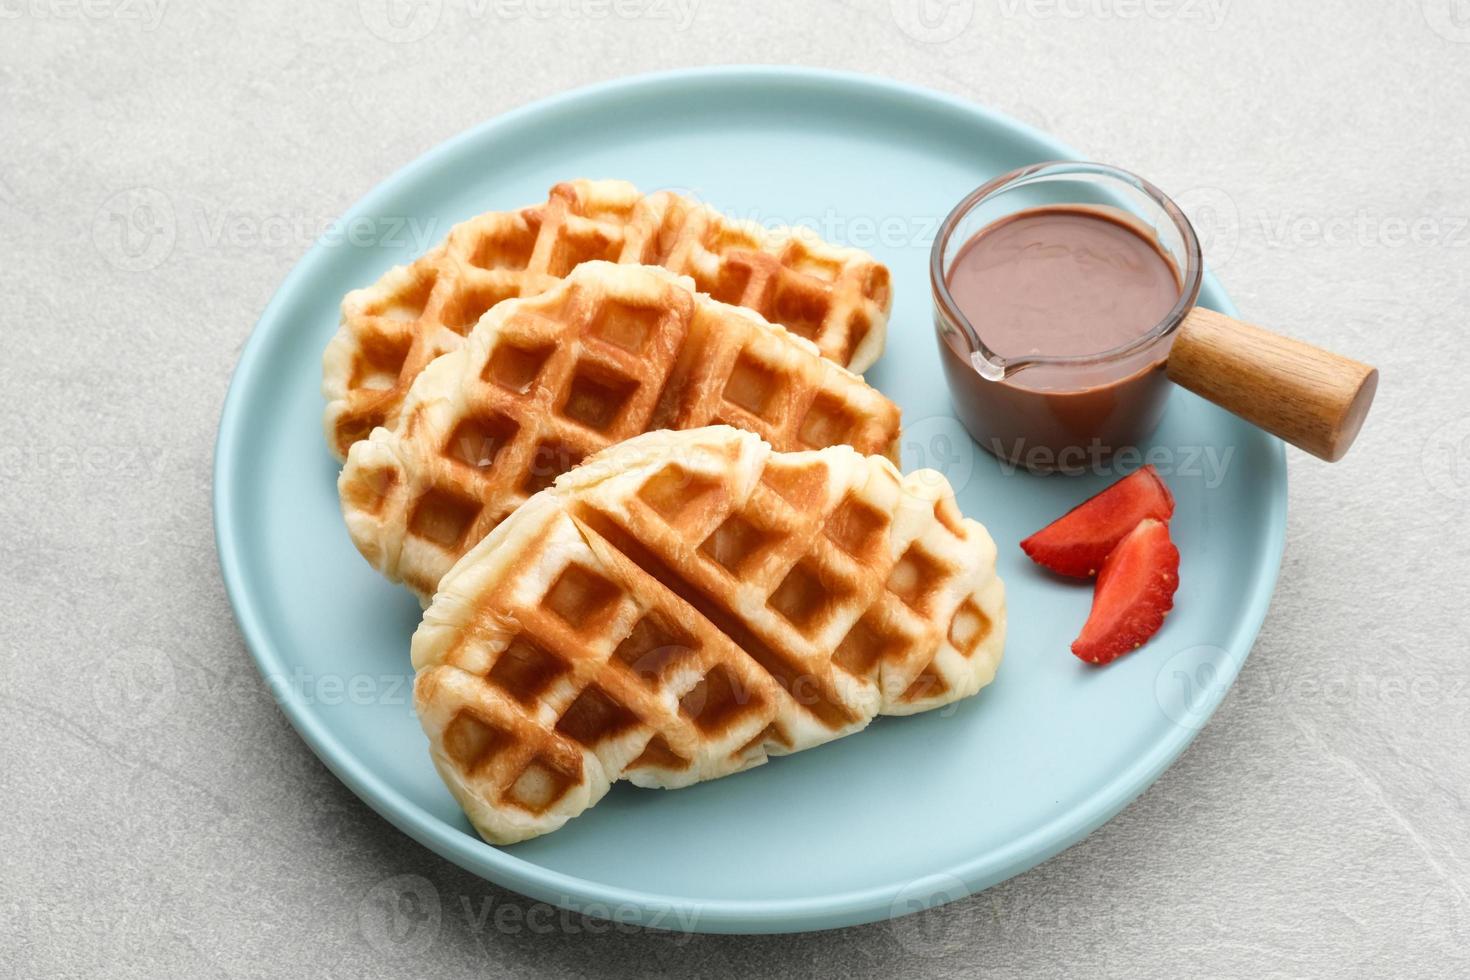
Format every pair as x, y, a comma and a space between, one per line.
687, 604
836, 297
610, 352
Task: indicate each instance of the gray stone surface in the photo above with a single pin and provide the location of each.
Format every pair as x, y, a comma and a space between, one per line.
160, 818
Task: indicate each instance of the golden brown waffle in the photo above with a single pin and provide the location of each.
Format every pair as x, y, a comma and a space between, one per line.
836, 297
687, 604
543, 382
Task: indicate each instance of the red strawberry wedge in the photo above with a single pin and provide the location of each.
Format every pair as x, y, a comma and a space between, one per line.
1076, 543
1135, 590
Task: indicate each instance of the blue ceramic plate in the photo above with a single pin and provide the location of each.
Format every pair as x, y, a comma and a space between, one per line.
911, 812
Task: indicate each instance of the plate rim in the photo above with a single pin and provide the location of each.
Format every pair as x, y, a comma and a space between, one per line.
651, 909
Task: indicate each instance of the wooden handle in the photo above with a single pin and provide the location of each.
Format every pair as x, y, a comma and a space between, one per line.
1312, 398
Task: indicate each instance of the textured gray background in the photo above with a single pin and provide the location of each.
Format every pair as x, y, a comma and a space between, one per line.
159, 817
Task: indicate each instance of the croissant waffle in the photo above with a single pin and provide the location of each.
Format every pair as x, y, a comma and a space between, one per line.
687, 604
543, 382
836, 297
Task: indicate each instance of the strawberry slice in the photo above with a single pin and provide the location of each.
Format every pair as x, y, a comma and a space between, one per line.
1135, 590
1076, 543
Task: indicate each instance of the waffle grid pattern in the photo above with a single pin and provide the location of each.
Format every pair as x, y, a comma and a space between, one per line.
836, 297
544, 382
826, 592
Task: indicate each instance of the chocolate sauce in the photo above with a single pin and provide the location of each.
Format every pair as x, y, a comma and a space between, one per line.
1060, 281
